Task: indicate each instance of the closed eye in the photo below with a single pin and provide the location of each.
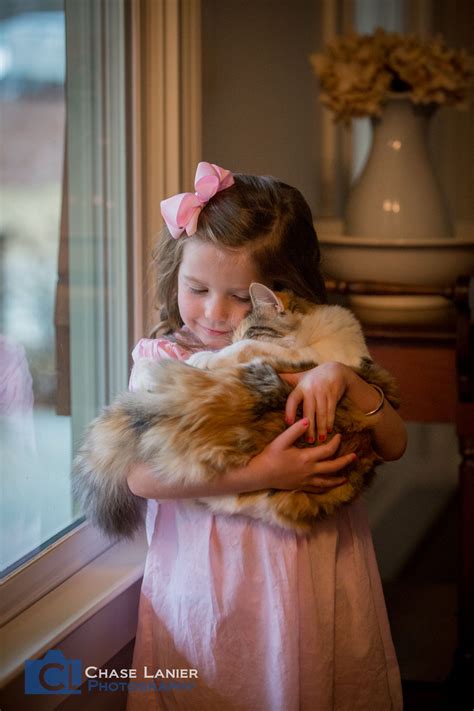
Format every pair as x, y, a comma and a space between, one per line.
243, 299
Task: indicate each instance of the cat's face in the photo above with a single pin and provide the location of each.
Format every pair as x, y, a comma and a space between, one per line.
274, 316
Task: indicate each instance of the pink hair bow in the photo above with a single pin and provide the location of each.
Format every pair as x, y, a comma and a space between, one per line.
181, 212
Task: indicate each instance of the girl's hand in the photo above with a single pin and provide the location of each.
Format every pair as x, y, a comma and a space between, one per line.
319, 389
281, 465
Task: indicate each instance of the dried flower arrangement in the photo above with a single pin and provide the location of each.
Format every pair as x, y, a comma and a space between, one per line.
357, 73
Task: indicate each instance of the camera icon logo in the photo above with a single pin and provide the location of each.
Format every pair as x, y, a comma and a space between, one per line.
54, 674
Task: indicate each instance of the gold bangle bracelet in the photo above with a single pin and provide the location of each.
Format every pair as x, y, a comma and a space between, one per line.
380, 404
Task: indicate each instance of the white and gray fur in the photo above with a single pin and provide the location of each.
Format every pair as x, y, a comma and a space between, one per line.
191, 422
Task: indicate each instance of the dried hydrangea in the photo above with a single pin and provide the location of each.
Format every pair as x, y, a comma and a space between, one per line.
357, 73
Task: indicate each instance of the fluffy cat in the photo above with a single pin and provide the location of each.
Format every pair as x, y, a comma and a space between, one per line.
192, 421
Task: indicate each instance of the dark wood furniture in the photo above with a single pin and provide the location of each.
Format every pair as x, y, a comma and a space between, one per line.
435, 369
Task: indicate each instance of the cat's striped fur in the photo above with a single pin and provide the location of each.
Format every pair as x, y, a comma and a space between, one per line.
191, 424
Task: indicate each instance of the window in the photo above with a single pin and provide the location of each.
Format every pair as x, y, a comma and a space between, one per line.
132, 134
35, 502
64, 326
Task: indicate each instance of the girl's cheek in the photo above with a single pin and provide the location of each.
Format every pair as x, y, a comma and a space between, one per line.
243, 312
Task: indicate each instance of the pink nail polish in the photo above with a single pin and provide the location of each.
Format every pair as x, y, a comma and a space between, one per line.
322, 437
305, 422
311, 440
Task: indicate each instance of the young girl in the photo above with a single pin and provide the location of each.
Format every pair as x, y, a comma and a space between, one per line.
269, 619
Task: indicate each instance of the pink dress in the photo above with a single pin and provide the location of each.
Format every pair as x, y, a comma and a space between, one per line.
270, 620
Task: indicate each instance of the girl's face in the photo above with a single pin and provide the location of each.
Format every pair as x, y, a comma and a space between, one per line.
213, 291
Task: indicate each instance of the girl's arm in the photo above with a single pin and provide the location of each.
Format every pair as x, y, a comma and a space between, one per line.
280, 465
321, 388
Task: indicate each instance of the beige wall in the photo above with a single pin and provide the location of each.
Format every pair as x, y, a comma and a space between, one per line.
259, 93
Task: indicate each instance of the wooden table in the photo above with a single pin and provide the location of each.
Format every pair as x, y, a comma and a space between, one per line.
435, 370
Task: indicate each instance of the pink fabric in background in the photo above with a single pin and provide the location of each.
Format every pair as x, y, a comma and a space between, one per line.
16, 397
16, 383
271, 620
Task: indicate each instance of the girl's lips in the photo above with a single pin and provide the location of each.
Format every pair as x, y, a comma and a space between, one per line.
212, 332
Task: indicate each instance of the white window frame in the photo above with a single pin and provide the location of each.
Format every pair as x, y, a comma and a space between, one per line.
98, 207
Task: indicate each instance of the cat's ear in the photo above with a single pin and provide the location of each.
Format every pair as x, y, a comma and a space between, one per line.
261, 295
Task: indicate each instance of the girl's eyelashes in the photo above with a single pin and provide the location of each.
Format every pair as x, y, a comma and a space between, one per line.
243, 299
197, 290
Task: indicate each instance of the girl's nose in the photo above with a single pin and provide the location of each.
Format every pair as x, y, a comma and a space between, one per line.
216, 309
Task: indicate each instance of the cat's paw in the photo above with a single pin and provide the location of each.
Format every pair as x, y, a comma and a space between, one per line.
202, 359
143, 375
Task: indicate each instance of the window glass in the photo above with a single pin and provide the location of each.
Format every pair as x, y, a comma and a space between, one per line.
35, 440
63, 315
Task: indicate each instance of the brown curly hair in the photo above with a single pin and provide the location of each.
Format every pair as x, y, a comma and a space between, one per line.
257, 213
